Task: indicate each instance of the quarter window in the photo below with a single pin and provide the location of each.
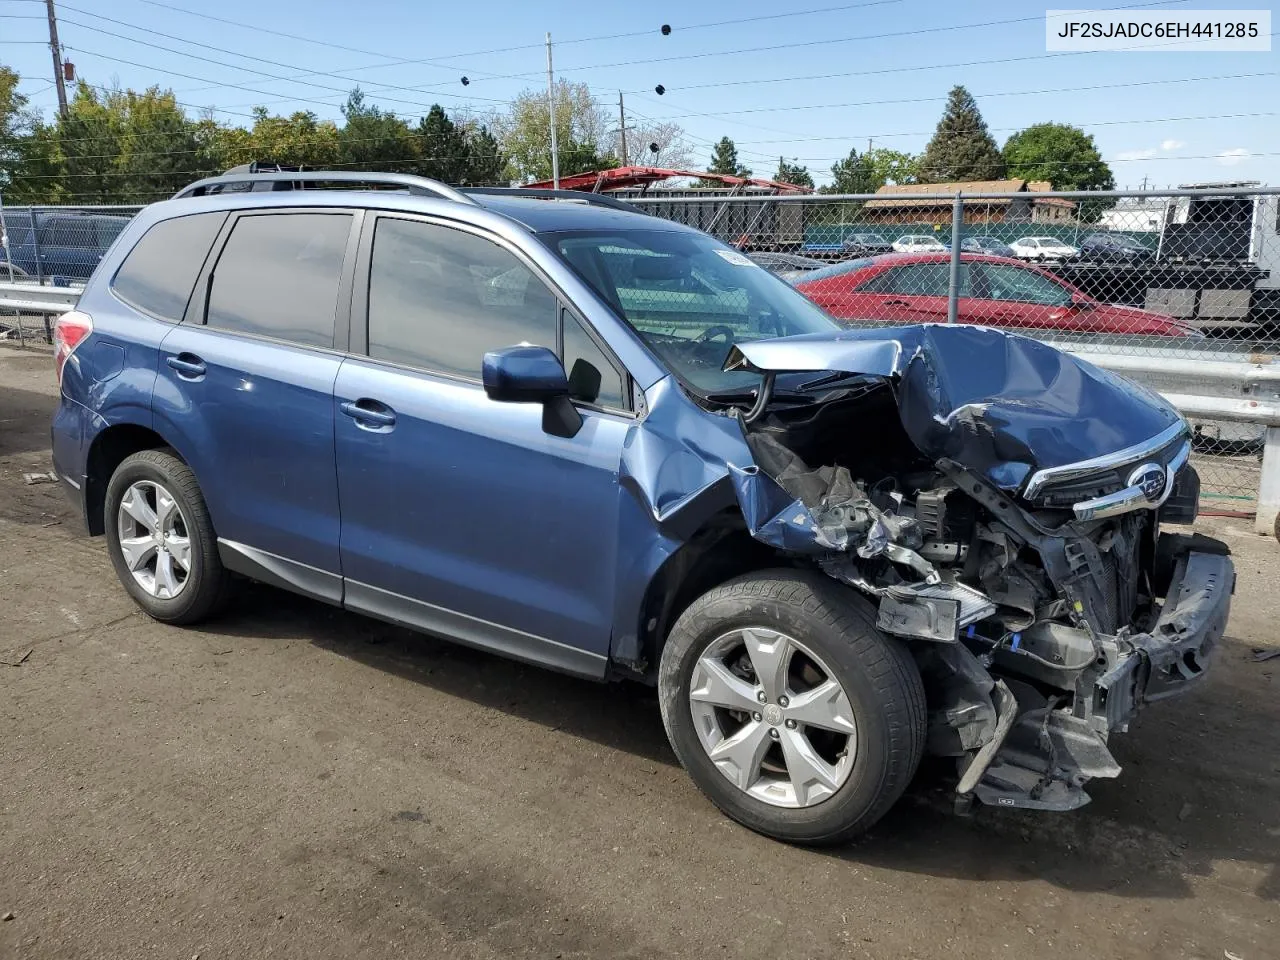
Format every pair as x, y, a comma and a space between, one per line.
441, 298
592, 378
278, 277
160, 271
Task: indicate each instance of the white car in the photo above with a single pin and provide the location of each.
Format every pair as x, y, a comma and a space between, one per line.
1042, 248
918, 243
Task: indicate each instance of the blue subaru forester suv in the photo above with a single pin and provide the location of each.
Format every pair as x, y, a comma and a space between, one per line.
591, 439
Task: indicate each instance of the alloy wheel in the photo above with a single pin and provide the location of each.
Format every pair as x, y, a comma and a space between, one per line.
154, 539
772, 717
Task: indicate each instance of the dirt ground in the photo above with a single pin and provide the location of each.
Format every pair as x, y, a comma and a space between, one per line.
292, 781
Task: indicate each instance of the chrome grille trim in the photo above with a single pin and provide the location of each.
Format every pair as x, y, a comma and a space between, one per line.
1108, 461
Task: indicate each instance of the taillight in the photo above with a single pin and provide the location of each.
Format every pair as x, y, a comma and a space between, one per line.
68, 330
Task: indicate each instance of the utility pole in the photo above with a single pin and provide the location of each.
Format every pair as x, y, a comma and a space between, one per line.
551, 104
57, 59
622, 125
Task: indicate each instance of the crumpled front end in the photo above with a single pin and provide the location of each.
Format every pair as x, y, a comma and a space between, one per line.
1000, 502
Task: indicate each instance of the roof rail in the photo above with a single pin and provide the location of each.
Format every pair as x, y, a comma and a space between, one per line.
541, 193
252, 181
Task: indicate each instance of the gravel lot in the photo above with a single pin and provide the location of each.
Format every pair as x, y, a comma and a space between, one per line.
292, 781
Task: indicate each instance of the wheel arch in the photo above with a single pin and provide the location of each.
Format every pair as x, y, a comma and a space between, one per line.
109, 448
720, 549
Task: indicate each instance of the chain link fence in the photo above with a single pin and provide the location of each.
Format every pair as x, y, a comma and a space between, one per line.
1189, 274
53, 246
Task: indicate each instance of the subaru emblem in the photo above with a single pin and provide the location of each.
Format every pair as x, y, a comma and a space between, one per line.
1151, 478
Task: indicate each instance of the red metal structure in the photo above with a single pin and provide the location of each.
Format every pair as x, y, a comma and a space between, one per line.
628, 178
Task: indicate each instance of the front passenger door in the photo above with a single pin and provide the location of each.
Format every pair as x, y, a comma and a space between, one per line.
460, 515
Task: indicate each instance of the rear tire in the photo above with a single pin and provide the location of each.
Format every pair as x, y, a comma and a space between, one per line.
161, 540
826, 624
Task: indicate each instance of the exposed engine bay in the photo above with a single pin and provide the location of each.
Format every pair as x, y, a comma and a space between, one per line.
1005, 533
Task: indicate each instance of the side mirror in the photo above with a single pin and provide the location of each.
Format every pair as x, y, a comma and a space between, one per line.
525, 374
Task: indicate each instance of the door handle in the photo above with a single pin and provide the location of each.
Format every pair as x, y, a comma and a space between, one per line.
188, 365
895, 303
366, 411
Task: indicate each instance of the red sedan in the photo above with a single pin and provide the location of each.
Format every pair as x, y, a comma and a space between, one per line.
995, 291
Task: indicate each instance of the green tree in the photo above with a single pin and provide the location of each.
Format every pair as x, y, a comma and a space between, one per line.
1064, 155
30, 163
891, 167
457, 151
793, 173
374, 139
582, 125
300, 139
158, 144
724, 159
443, 150
853, 174
91, 139
961, 148
485, 161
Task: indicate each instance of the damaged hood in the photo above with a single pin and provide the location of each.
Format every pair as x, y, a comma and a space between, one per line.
1001, 404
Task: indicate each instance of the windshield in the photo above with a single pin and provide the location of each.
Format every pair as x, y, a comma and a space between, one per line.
689, 297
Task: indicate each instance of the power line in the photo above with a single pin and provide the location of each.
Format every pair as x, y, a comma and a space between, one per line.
261, 93
1001, 93
242, 69
804, 44
996, 61
384, 62
234, 53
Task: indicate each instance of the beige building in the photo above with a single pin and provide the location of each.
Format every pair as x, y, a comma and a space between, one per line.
1027, 208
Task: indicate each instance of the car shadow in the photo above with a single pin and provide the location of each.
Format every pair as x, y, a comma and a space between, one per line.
1136, 839
25, 416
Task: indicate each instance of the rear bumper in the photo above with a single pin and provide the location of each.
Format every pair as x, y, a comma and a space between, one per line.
72, 423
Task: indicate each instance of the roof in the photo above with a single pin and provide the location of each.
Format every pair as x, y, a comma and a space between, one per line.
967, 186
534, 215
541, 216
622, 178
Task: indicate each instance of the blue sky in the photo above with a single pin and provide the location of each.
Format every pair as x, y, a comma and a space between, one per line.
877, 69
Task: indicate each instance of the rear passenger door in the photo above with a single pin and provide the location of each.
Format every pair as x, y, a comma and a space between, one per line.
246, 382
460, 514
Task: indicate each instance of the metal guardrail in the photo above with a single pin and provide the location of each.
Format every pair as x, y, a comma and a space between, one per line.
1230, 392
38, 298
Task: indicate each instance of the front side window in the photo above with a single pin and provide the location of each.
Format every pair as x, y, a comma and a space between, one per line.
160, 271
441, 298
278, 277
689, 297
998, 281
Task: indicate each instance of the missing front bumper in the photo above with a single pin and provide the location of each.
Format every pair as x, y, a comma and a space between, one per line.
1047, 756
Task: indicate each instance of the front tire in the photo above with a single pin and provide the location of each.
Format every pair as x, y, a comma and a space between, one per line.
789, 710
161, 540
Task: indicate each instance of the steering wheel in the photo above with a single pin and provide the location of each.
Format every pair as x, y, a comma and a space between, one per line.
716, 330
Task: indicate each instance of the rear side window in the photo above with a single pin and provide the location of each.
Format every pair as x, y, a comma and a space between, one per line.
440, 298
158, 274
278, 277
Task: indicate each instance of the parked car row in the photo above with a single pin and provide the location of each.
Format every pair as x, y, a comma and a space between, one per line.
1096, 247
47, 244
998, 291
